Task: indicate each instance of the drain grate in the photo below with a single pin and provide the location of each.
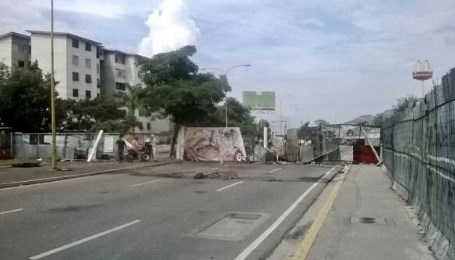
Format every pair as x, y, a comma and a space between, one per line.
233, 226
368, 220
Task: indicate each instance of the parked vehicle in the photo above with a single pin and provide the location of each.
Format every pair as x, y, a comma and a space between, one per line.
141, 154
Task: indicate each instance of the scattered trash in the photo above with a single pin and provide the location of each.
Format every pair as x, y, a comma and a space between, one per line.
229, 175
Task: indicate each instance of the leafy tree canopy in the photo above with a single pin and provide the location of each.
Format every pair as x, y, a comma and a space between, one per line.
85, 114
403, 103
25, 99
321, 122
176, 89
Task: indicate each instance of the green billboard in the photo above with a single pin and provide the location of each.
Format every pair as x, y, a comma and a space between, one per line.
259, 100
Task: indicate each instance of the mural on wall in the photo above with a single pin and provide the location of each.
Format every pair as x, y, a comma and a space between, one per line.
214, 144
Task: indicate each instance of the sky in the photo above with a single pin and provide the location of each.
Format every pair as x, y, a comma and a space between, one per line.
329, 59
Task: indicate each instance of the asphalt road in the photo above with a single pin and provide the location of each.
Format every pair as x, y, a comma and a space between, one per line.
242, 212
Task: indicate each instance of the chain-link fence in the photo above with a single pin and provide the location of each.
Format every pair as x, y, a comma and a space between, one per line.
419, 151
75, 146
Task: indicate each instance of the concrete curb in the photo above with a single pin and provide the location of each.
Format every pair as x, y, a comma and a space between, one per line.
74, 176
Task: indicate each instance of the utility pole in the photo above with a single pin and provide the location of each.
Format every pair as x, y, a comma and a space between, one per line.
54, 146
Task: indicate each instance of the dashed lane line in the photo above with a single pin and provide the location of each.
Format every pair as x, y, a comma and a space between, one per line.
78, 242
145, 183
10, 211
229, 186
277, 169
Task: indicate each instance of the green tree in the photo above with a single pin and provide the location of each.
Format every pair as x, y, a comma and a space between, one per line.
304, 131
403, 103
321, 122
237, 116
177, 90
25, 99
87, 114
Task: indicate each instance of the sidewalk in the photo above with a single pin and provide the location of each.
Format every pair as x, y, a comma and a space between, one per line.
368, 220
10, 177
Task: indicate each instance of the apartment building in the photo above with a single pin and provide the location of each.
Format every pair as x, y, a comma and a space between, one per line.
119, 69
83, 68
15, 50
77, 63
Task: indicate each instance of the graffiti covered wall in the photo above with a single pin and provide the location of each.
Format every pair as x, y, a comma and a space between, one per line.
213, 144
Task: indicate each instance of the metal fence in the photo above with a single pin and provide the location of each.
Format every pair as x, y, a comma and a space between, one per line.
324, 142
72, 146
419, 151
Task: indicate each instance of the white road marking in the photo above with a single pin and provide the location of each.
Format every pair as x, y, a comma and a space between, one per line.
277, 169
47, 183
10, 211
214, 168
277, 222
53, 251
147, 182
227, 187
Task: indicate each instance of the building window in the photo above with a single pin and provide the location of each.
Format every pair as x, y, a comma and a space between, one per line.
88, 78
88, 46
98, 95
75, 43
141, 126
21, 48
98, 68
149, 127
75, 60
120, 73
21, 64
120, 86
75, 92
119, 58
98, 52
75, 76
98, 83
88, 63
88, 94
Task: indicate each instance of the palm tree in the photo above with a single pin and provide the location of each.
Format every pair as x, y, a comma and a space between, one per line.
131, 99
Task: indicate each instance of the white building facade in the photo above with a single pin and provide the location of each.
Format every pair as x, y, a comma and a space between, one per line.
15, 50
77, 63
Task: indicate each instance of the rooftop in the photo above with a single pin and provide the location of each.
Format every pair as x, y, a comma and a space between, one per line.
65, 34
125, 53
14, 34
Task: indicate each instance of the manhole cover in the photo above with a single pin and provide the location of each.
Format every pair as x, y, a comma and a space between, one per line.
233, 226
367, 220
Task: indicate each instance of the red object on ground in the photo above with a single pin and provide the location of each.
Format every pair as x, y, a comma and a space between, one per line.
363, 154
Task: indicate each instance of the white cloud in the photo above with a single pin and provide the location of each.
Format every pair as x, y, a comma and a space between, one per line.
331, 51
170, 28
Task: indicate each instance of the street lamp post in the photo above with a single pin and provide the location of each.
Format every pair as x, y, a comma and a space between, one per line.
54, 148
225, 72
